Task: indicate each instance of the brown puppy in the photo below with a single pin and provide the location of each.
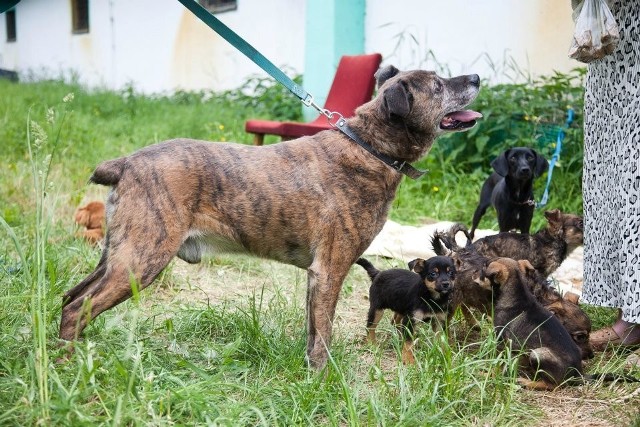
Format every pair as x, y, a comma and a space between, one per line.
420, 295
545, 250
550, 357
91, 216
316, 202
472, 291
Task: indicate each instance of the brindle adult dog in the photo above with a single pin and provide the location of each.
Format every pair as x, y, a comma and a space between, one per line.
316, 202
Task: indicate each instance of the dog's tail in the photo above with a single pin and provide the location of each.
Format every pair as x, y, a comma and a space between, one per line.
457, 228
444, 243
371, 270
109, 172
441, 244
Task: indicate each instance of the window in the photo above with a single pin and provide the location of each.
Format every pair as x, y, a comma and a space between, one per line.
217, 6
80, 16
11, 25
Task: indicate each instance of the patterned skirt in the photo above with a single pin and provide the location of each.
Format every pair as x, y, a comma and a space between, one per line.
611, 174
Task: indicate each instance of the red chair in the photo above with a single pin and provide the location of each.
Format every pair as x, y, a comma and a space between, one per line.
352, 86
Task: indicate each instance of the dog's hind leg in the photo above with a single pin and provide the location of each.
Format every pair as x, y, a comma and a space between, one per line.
477, 215
112, 287
99, 271
128, 257
483, 205
373, 318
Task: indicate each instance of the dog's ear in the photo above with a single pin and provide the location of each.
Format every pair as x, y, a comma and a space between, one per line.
525, 267
417, 265
556, 308
553, 216
541, 164
497, 272
572, 297
384, 74
396, 101
501, 163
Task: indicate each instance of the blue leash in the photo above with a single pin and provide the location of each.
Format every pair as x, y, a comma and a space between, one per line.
555, 157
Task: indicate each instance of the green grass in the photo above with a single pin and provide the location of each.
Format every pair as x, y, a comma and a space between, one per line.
176, 355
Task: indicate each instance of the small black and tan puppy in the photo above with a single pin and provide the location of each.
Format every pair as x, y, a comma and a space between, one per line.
419, 295
510, 189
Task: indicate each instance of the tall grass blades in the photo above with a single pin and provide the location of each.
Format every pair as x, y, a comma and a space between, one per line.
37, 272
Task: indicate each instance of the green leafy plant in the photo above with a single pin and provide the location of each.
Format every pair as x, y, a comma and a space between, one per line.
522, 114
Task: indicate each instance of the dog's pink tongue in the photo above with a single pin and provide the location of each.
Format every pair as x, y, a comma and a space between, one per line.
464, 115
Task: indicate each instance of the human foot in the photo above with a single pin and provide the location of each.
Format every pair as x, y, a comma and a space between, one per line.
622, 333
629, 332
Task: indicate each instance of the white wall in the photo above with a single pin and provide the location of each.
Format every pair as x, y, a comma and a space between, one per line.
160, 46
465, 36
156, 44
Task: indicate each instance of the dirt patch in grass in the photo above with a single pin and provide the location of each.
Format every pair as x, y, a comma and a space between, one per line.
238, 278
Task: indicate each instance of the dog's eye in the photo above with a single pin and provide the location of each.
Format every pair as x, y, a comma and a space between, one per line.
452, 274
432, 275
529, 158
580, 337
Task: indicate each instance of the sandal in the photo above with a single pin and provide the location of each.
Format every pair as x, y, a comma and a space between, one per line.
604, 337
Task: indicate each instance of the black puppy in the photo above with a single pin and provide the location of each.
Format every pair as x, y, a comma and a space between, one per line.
419, 295
510, 189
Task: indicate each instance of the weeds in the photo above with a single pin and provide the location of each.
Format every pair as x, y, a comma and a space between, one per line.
528, 115
186, 353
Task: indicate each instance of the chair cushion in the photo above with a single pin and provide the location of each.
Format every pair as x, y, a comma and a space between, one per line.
286, 129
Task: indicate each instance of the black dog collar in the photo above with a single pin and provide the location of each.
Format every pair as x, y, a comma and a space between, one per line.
399, 165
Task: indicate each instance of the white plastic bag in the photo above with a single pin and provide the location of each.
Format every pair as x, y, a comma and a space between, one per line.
596, 33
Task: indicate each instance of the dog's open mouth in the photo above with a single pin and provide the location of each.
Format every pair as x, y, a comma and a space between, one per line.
457, 120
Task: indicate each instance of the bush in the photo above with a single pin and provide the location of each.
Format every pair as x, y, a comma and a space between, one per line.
529, 115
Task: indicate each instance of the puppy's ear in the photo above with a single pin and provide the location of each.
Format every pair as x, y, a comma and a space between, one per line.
497, 273
553, 216
541, 164
457, 262
525, 266
501, 163
417, 265
572, 297
556, 308
396, 101
384, 74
